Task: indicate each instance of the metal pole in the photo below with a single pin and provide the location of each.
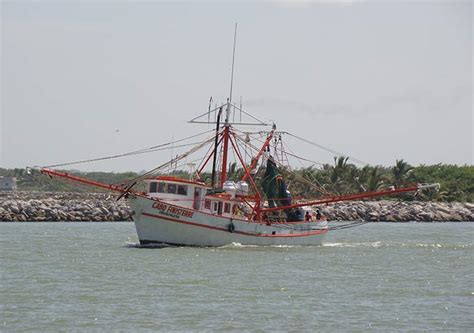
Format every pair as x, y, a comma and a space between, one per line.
233, 59
216, 143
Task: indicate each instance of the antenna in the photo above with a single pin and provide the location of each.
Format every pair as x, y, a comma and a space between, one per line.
211, 116
209, 110
233, 60
240, 108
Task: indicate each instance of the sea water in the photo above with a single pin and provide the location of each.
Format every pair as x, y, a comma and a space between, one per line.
377, 277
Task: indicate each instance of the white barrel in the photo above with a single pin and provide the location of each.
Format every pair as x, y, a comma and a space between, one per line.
243, 187
230, 187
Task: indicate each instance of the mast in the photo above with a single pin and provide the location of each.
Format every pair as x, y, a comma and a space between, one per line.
216, 144
226, 148
224, 134
227, 117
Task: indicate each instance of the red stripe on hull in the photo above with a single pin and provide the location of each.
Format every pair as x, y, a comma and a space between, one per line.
311, 233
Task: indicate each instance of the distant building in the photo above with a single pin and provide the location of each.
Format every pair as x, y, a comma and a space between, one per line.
7, 183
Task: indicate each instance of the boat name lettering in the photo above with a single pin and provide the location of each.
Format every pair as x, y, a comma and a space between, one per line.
165, 209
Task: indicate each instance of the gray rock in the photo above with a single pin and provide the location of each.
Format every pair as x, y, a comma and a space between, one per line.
14, 209
69, 206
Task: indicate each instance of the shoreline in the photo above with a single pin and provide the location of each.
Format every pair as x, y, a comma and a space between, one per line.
35, 206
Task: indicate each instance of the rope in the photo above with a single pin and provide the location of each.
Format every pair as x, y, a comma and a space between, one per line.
318, 187
285, 152
348, 225
334, 228
173, 160
135, 152
329, 150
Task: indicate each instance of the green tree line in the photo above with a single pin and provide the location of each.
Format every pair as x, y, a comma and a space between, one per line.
342, 177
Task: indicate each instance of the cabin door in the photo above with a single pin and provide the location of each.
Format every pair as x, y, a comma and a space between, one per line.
197, 198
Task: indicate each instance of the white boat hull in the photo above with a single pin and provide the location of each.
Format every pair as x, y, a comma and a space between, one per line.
164, 223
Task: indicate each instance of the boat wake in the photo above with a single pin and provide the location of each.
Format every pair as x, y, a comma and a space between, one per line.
376, 244
236, 245
379, 244
228, 246
363, 244
449, 246
147, 246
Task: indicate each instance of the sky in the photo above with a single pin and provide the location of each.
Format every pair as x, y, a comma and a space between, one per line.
376, 80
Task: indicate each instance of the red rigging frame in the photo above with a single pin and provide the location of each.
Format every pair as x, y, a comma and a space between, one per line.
222, 138
257, 210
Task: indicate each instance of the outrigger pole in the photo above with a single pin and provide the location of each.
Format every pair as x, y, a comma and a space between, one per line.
350, 197
65, 175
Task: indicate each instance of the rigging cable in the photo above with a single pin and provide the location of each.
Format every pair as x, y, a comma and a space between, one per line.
317, 186
298, 177
333, 228
348, 225
320, 188
332, 151
135, 152
293, 155
135, 180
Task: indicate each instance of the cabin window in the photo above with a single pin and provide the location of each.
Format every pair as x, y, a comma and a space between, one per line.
172, 188
197, 198
215, 206
227, 207
153, 187
161, 187
183, 189
207, 204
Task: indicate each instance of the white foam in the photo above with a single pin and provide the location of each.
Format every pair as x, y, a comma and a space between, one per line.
147, 246
363, 244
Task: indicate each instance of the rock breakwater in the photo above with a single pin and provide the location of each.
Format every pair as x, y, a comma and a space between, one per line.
74, 206
62, 206
399, 211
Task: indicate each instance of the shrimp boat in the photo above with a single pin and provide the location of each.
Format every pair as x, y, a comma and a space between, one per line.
251, 207
256, 209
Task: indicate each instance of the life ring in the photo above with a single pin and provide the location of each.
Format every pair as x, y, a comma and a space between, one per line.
231, 227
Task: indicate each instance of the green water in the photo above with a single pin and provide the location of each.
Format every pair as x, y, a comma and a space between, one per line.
378, 277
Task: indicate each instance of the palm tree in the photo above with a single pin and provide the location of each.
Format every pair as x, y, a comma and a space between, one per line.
375, 180
340, 166
400, 172
344, 175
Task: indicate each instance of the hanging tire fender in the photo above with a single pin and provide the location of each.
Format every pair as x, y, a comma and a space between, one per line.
231, 227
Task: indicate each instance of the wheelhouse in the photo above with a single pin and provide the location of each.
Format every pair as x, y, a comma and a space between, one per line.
194, 195
177, 191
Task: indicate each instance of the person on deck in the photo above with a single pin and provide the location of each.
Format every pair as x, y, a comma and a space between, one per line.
318, 214
307, 216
